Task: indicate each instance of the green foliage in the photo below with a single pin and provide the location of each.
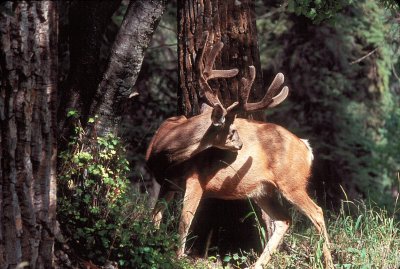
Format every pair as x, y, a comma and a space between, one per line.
317, 10
321, 10
342, 93
392, 5
239, 260
104, 217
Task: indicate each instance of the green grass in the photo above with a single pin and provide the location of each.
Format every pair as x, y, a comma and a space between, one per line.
362, 236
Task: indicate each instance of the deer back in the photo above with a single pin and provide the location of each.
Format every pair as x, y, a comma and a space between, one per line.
271, 156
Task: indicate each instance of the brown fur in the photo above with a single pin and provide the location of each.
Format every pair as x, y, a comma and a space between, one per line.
271, 159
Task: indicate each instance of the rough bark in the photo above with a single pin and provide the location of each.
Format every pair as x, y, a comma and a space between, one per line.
87, 23
232, 22
28, 85
132, 40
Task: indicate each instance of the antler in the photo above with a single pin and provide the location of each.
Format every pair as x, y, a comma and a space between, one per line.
270, 99
205, 64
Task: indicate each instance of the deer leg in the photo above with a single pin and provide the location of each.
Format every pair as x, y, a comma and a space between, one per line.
278, 213
306, 205
164, 197
191, 200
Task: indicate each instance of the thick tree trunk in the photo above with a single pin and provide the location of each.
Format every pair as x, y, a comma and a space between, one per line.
87, 23
233, 23
28, 71
87, 90
133, 38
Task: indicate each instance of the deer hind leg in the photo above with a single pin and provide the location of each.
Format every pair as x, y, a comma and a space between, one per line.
191, 200
272, 207
306, 205
164, 197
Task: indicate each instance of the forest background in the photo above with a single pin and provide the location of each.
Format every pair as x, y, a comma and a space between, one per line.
341, 63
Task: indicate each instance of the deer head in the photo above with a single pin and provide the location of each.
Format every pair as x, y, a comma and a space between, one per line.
180, 138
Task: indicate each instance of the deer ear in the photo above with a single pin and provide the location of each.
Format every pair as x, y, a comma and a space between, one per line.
218, 115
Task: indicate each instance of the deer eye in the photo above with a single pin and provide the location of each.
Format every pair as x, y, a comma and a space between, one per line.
232, 132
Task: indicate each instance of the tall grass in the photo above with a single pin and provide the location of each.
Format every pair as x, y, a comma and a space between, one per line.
370, 238
362, 236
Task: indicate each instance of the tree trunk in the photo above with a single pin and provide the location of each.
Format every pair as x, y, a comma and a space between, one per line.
88, 90
87, 23
233, 23
28, 71
133, 38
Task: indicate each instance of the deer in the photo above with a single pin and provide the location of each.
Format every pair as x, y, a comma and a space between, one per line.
216, 154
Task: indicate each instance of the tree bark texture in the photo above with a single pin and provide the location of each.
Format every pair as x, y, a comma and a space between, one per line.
233, 23
28, 85
132, 40
87, 23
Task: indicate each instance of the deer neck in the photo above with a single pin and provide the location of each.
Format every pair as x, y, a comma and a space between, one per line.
178, 142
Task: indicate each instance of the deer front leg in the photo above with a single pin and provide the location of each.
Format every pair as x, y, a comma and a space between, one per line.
191, 201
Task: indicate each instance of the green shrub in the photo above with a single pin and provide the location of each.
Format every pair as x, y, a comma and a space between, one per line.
103, 217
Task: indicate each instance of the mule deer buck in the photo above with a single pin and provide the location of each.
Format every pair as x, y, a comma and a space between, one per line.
205, 155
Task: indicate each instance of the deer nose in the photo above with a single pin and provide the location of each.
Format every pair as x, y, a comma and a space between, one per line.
239, 146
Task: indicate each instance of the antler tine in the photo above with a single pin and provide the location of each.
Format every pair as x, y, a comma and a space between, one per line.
280, 97
246, 84
205, 64
216, 49
275, 84
205, 48
212, 55
268, 100
205, 89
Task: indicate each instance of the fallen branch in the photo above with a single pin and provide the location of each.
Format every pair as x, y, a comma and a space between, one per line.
365, 56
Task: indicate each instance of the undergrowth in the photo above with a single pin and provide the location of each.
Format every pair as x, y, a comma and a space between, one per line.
105, 219
102, 216
362, 235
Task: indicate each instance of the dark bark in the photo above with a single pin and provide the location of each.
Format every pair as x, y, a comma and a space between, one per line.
133, 38
87, 22
233, 23
28, 71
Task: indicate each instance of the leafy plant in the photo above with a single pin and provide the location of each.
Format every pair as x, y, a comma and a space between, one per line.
103, 216
317, 10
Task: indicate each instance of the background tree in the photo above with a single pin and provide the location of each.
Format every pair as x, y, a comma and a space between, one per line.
233, 23
28, 88
339, 72
102, 93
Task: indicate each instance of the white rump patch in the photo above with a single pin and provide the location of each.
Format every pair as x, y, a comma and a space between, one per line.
260, 191
311, 156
